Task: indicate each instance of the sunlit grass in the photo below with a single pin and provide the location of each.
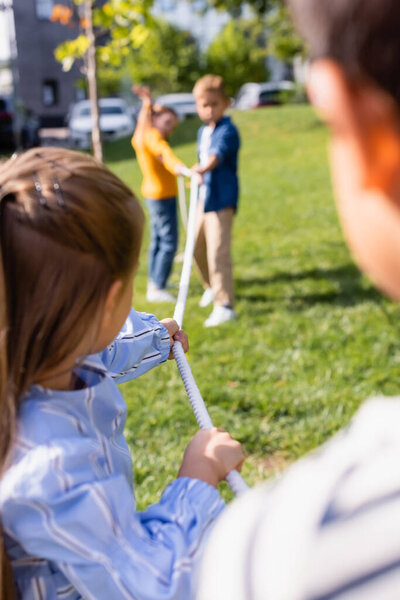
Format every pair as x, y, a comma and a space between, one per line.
313, 338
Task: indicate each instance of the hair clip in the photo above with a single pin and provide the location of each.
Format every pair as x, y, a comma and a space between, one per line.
58, 191
38, 189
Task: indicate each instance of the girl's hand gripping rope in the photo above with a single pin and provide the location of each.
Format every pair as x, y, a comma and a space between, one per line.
233, 478
211, 455
175, 335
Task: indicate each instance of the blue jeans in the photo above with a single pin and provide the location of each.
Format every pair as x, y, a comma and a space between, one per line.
163, 239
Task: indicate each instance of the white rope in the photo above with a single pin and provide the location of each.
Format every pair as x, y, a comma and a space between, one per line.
233, 478
182, 200
188, 258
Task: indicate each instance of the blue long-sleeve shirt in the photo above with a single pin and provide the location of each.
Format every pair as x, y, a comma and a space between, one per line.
221, 184
67, 502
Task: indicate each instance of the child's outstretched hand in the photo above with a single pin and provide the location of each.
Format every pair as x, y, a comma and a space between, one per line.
142, 91
211, 455
198, 169
175, 334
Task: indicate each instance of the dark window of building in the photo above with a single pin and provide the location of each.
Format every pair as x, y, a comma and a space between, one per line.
44, 8
50, 92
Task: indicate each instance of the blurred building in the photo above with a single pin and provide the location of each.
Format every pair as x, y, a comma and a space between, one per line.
42, 86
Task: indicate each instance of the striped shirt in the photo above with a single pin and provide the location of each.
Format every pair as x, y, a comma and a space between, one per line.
67, 504
329, 529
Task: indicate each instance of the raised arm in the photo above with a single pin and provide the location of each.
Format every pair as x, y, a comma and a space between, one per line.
144, 117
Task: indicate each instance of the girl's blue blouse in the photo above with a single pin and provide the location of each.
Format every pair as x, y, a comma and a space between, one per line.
67, 503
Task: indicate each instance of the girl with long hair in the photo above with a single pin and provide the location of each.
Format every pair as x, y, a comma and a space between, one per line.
70, 235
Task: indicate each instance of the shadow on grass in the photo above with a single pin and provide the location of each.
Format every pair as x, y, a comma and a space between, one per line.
351, 290
340, 298
348, 272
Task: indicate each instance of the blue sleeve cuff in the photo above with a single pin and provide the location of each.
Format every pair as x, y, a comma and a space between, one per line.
195, 504
164, 343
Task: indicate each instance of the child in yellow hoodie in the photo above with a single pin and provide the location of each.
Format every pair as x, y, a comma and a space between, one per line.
159, 167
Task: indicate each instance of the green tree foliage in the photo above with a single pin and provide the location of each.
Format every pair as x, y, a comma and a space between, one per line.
133, 45
168, 60
284, 43
234, 7
120, 25
238, 54
110, 81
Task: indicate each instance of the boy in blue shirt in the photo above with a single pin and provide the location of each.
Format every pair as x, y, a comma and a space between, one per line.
217, 145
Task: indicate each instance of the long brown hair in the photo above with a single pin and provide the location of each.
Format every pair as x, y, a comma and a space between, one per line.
68, 228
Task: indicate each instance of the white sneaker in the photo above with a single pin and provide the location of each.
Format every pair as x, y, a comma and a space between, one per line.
207, 298
220, 314
159, 295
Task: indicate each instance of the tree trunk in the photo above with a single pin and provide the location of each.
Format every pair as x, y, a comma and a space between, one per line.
92, 82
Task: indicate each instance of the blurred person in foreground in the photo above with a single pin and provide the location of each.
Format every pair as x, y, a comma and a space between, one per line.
329, 529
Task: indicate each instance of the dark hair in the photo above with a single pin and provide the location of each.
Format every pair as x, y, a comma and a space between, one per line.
8, 589
363, 36
161, 109
69, 228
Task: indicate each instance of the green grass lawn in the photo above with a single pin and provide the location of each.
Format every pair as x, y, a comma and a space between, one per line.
313, 338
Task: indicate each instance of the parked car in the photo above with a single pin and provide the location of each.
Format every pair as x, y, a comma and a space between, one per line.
254, 95
183, 104
21, 124
116, 121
